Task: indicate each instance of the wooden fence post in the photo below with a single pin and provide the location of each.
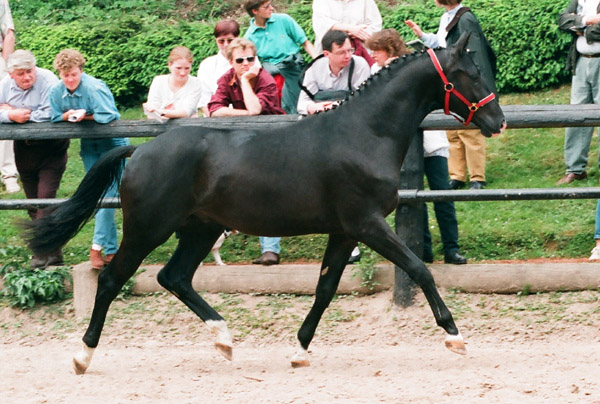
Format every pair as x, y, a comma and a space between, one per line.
410, 218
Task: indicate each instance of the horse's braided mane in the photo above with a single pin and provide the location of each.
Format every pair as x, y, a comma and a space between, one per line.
392, 68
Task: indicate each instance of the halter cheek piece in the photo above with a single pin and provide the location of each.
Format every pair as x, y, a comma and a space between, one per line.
449, 88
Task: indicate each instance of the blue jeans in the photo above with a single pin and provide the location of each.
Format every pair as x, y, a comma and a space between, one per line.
269, 244
291, 69
105, 229
585, 89
597, 232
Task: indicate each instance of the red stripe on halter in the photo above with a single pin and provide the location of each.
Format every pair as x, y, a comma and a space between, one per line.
449, 88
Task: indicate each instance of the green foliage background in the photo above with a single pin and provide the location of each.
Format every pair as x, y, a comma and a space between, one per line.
127, 42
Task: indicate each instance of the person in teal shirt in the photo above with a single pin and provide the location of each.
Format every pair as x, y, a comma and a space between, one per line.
75, 98
278, 39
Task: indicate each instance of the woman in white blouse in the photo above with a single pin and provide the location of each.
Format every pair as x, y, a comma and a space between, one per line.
174, 95
213, 67
358, 18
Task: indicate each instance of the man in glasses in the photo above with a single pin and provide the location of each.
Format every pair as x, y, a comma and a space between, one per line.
213, 67
330, 78
249, 90
278, 38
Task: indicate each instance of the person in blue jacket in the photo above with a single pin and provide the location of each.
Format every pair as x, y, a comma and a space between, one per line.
78, 97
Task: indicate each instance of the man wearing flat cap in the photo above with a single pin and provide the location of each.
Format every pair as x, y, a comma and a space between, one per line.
40, 162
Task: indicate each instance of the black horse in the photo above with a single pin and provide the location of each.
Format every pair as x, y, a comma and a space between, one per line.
335, 173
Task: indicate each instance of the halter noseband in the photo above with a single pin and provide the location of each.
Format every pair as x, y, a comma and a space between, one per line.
449, 88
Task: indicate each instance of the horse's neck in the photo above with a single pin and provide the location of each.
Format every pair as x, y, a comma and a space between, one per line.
394, 104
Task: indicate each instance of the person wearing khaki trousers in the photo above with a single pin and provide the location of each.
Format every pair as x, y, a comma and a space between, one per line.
467, 152
467, 147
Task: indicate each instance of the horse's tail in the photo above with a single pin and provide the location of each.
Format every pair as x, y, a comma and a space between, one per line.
47, 234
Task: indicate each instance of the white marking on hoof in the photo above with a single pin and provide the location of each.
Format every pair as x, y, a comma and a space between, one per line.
300, 359
223, 342
81, 361
456, 344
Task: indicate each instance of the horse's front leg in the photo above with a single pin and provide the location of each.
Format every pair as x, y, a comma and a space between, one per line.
336, 256
378, 235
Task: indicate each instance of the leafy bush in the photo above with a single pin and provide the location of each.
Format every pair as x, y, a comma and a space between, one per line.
24, 287
531, 51
133, 48
65, 11
126, 55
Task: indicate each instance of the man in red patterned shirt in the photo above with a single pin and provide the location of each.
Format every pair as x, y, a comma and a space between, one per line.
247, 87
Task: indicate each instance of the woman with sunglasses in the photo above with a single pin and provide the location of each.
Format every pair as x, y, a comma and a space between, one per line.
174, 95
213, 67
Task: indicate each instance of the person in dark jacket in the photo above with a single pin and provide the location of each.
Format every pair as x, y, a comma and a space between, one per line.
467, 146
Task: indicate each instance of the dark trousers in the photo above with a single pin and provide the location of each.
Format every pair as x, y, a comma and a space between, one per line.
41, 164
436, 171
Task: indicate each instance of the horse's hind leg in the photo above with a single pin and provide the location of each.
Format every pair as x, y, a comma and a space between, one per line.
336, 256
110, 281
376, 234
195, 242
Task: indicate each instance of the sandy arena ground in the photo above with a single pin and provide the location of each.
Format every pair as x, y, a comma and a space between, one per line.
534, 349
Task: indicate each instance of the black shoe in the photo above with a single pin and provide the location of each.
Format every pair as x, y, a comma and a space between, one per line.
455, 258
428, 257
355, 258
55, 260
456, 184
38, 262
477, 185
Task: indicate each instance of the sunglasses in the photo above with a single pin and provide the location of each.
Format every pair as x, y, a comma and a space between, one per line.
250, 59
222, 41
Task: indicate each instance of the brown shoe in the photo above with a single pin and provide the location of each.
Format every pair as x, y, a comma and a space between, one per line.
108, 258
570, 177
96, 259
268, 258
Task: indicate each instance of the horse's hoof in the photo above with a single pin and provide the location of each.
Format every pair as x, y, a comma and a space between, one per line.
79, 367
456, 344
81, 361
225, 350
300, 363
300, 359
223, 342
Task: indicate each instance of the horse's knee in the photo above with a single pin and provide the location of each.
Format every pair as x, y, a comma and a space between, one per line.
419, 273
164, 280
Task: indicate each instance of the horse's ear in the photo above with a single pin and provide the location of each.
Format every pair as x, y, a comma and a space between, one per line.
460, 46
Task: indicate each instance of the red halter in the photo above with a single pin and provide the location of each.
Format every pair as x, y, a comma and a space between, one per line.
449, 87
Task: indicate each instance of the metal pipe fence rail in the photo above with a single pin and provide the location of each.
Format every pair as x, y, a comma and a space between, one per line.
409, 215
405, 196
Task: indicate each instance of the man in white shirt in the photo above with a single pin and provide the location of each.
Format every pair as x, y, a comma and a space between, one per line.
331, 76
582, 20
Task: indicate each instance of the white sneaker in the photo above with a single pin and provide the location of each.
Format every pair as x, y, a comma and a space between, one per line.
11, 185
595, 253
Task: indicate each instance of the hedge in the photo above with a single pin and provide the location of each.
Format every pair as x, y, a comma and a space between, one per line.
129, 51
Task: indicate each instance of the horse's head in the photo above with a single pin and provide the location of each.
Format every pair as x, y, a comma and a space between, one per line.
466, 93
